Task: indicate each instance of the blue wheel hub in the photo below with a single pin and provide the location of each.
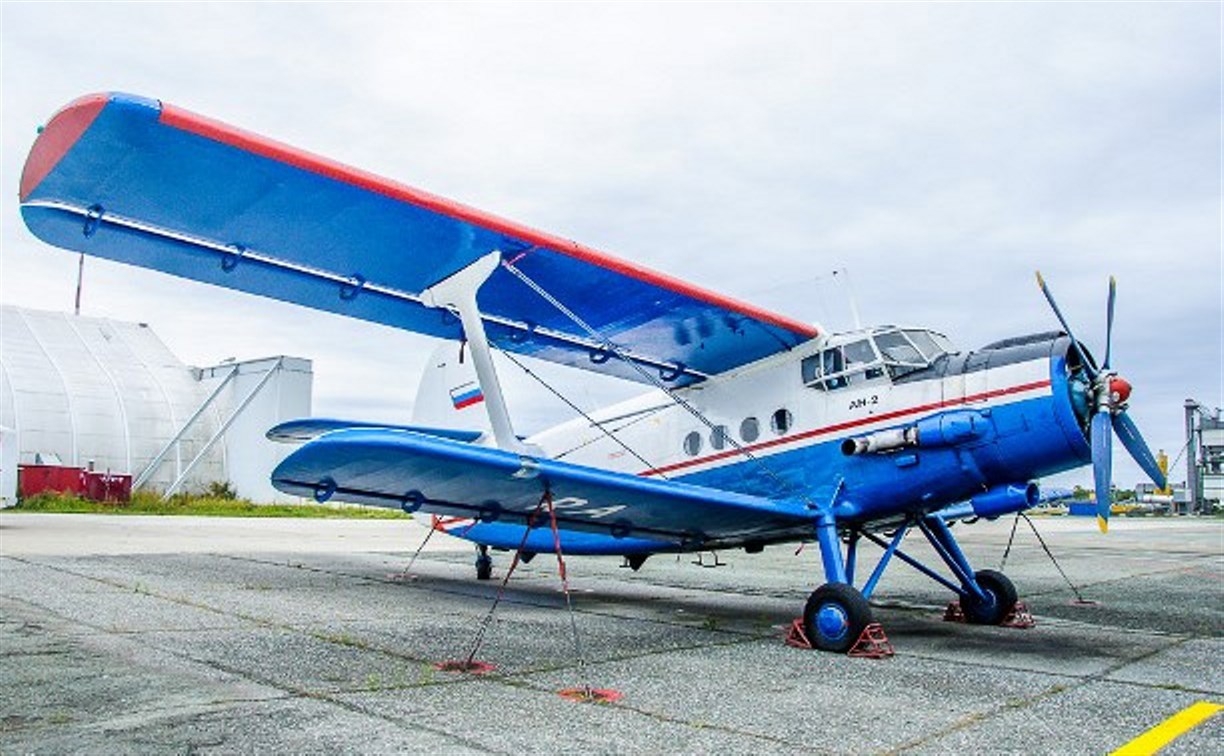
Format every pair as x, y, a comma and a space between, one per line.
832, 622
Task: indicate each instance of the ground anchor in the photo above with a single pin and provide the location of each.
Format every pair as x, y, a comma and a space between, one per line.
467, 666
591, 695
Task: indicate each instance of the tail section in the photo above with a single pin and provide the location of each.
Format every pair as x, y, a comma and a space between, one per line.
449, 395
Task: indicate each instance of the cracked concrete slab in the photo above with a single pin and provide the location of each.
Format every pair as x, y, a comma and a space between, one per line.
234, 635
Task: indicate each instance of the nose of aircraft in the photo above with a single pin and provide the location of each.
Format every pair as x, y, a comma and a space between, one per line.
1110, 393
1119, 390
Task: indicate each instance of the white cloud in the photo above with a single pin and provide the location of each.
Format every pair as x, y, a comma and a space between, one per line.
940, 151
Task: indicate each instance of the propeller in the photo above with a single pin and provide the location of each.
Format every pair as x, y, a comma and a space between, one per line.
1110, 393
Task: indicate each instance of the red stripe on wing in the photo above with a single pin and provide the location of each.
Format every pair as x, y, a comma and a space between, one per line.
60, 133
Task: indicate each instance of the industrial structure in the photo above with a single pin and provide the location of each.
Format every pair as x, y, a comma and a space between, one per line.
1204, 459
109, 396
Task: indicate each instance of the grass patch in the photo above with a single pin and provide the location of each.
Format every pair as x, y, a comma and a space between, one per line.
151, 503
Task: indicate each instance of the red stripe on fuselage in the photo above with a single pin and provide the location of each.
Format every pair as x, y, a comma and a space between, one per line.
274, 150
848, 424
60, 133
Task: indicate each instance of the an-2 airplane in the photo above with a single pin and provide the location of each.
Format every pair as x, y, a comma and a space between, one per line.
757, 430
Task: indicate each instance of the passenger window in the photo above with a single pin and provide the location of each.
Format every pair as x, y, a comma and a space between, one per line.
781, 421
718, 437
750, 429
692, 444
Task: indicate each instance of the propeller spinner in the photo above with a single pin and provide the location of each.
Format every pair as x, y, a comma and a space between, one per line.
1110, 393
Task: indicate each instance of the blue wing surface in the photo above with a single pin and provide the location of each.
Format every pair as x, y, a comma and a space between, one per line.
403, 469
146, 183
310, 428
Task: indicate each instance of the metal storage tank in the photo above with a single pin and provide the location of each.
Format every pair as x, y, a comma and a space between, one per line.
96, 391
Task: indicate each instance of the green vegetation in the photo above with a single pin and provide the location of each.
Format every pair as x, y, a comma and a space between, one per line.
1079, 493
220, 501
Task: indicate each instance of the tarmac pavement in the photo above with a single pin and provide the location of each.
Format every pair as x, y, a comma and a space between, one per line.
153, 634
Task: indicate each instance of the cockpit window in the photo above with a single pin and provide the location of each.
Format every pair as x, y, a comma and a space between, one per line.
859, 352
925, 344
840, 366
889, 348
942, 342
896, 348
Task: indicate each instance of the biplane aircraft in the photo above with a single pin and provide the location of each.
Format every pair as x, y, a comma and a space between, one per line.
753, 428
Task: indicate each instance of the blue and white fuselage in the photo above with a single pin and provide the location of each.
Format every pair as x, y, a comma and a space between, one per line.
953, 425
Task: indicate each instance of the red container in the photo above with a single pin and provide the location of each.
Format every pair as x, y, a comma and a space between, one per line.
108, 487
35, 479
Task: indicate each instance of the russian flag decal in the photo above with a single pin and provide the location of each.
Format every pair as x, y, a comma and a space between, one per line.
466, 395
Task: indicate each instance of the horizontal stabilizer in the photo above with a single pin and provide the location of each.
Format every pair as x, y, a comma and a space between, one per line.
402, 469
310, 428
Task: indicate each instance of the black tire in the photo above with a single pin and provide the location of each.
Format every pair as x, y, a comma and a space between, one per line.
835, 616
484, 567
1001, 599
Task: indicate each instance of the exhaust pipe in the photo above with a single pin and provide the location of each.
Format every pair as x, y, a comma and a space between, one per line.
948, 429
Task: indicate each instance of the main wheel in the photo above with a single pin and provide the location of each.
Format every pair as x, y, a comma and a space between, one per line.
835, 616
1000, 599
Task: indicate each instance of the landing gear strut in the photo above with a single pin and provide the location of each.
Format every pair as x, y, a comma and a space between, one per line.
837, 613
484, 563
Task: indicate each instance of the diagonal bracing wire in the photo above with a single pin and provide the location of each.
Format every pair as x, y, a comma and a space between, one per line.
609, 433
783, 485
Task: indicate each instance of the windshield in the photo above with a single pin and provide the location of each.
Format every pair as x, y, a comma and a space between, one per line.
897, 351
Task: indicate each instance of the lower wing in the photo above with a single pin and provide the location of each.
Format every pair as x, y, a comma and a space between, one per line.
403, 469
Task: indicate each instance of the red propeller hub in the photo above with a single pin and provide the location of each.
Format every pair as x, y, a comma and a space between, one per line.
1119, 390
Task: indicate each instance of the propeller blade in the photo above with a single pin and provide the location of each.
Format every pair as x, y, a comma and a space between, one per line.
1132, 439
1102, 465
1109, 313
1058, 314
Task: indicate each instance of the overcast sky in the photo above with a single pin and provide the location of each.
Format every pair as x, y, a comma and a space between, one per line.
939, 152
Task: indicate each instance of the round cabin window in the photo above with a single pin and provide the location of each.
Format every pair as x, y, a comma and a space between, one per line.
781, 421
750, 429
692, 444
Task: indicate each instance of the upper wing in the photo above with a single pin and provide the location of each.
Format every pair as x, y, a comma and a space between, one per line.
400, 468
138, 181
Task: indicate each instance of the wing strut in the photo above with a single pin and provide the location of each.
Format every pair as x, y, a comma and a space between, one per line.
458, 292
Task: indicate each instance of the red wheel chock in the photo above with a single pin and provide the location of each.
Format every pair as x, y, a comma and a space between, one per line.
954, 613
1019, 617
871, 644
796, 637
